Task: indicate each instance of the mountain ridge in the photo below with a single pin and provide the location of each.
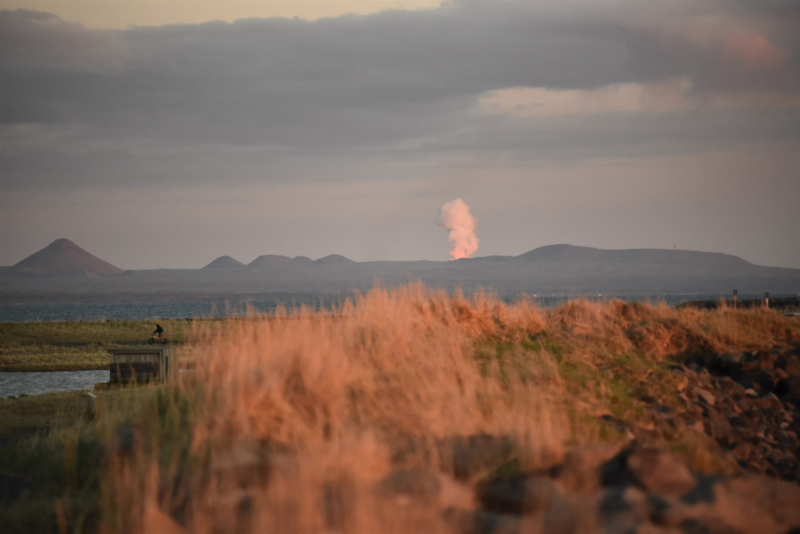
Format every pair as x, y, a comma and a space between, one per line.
561, 269
556, 252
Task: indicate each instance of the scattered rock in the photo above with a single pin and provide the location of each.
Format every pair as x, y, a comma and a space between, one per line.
718, 427
505, 495
788, 389
758, 505
655, 470
624, 505
569, 514
706, 396
729, 364
743, 405
580, 471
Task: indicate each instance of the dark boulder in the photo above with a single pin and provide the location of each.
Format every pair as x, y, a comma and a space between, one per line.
653, 469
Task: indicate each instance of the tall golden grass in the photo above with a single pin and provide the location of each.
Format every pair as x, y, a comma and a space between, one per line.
290, 422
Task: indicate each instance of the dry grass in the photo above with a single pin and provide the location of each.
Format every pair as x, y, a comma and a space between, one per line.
289, 423
339, 396
288, 415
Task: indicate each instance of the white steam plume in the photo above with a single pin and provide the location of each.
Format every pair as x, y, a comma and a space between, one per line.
460, 225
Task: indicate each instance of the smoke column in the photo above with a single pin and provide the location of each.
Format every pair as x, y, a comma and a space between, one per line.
460, 225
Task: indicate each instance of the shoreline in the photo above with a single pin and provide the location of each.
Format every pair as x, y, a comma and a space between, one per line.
775, 303
61, 369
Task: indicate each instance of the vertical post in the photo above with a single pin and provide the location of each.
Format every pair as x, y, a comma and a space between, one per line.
766, 299
735, 293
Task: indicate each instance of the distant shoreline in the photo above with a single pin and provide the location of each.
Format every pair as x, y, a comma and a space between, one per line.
778, 303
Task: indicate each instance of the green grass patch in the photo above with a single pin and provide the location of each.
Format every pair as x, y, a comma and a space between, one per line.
74, 346
105, 332
57, 450
54, 358
28, 415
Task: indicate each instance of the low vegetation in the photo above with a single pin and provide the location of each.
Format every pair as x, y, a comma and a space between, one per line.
80, 345
294, 423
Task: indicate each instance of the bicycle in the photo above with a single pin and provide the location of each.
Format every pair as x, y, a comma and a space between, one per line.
153, 340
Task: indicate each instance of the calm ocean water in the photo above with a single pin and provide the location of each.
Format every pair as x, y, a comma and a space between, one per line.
35, 383
137, 311
18, 313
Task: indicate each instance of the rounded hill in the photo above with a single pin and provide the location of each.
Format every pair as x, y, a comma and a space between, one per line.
334, 259
224, 262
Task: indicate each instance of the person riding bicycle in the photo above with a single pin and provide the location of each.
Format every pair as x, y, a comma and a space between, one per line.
157, 332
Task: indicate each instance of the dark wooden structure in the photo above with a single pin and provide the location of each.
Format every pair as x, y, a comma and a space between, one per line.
142, 365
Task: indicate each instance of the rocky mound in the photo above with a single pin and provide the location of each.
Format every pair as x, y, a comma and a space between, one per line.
639, 488
750, 405
62, 257
741, 405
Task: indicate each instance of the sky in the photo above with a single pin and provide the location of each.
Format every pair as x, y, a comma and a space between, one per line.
166, 134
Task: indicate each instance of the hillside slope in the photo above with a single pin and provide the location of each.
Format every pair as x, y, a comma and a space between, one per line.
62, 258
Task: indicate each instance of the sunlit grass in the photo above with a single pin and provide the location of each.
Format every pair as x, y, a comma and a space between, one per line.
339, 400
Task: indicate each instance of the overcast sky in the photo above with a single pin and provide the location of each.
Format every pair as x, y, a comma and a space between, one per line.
604, 123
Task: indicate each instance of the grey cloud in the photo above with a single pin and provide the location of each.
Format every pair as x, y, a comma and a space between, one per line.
40, 40
280, 81
356, 86
493, 142
295, 82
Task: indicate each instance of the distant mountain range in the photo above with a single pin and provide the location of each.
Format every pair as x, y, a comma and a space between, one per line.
65, 268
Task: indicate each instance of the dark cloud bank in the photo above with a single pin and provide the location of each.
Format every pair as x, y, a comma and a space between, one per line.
372, 83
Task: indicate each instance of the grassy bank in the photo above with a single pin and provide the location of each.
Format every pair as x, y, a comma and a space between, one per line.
283, 415
52, 453
79, 345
